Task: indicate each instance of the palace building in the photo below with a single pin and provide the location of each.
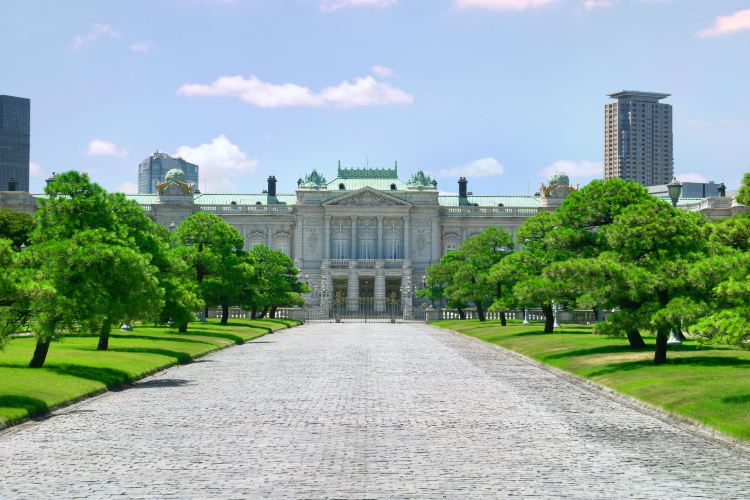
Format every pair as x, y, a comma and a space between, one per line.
365, 235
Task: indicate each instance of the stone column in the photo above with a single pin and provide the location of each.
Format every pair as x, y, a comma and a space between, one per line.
353, 254
269, 236
379, 249
297, 240
327, 238
380, 297
407, 239
436, 239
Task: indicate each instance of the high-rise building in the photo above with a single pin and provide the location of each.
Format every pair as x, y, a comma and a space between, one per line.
153, 169
15, 129
638, 138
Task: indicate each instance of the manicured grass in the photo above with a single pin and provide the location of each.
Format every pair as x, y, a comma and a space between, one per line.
710, 384
75, 369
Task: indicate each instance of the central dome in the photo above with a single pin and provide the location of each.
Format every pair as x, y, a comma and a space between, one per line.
175, 175
559, 179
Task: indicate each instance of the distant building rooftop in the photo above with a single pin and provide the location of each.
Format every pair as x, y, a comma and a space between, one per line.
645, 96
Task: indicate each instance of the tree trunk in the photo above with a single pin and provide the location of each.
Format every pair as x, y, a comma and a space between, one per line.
182, 328
272, 312
40, 354
254, 312
662, 336
461, 313
224, 314
596, 317
549, 318
678, 332
263, 313
480, 312
104, 335
635, 339
503, 319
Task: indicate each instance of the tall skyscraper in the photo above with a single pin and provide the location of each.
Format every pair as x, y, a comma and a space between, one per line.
638, 138
152, 170
15, 129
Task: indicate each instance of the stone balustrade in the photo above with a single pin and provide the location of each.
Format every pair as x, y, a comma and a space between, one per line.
488, 211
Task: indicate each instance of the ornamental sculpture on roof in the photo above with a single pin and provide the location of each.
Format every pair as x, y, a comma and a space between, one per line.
558, 188
175, 184
313, 180
420, 180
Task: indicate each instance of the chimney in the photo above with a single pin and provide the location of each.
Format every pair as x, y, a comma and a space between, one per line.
462, 183
272, 185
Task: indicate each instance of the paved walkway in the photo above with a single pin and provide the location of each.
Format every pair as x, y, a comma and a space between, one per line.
362, 411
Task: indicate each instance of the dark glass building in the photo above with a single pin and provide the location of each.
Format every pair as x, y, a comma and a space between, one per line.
15, 129
152, 170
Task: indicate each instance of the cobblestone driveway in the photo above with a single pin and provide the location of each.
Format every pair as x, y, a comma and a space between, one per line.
362, 411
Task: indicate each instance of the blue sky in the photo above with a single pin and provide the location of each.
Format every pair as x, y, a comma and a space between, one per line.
503, 91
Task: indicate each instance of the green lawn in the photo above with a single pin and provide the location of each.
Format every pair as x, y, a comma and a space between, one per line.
75, 369
710, 384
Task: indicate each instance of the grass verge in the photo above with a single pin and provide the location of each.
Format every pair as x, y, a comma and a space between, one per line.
75, 369
709, 384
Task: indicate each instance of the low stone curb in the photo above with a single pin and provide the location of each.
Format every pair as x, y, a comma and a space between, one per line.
6, 428
684, 423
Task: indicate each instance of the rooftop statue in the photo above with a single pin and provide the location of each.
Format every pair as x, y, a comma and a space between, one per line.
175, 183
313, 180
420, 180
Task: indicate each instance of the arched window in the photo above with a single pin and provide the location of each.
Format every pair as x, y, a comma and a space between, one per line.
393, 187
341, 186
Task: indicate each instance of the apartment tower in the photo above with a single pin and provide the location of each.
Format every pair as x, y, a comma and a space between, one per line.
638, 138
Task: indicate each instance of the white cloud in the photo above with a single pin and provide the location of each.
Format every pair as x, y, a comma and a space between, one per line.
502, 4
142, 47
35, 170
219, 162
483, 167
382, 71
127, 187
364, 91
576, 169
692, 177
100, 147
595, 4
727, 25
334, 5
96, 32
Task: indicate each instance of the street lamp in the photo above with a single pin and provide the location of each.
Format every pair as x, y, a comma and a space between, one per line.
675, 190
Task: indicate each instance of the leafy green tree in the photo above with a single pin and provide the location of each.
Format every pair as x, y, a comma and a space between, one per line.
16, 227
440, 282
275, 282
227, 276
181, 293
73, 204
212, 242
657, 245
524, 268
724, 276
480, 252
13, 307
744, 195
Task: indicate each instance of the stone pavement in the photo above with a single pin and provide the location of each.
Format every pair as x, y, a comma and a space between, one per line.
362, 411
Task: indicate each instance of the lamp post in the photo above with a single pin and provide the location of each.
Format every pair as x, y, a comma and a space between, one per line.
675, 190
525, 316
